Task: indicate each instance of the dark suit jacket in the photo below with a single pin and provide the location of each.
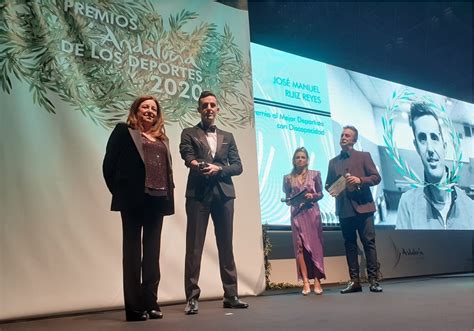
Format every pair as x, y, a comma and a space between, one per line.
359, 164
194, 146
124, 169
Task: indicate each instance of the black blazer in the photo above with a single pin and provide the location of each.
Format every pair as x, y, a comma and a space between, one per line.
124, 169
194, 146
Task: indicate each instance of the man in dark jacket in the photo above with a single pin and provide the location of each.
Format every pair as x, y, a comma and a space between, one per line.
212, 157
355, 206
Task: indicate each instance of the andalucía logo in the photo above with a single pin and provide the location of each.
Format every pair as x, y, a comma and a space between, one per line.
412, 252
405, 252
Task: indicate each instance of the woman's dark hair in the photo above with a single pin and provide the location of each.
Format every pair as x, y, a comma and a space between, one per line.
158, 129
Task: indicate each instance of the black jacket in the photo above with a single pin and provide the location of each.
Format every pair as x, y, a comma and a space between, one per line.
124, 169
194, 146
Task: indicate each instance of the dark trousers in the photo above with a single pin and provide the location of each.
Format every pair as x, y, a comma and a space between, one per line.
222, 212
364, 225
141, 272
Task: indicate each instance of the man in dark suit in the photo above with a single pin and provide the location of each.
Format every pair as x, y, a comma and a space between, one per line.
212, 157
355, 206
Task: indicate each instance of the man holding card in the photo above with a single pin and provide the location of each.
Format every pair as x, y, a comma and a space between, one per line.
350, 175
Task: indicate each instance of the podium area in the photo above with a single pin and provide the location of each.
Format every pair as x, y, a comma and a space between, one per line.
421, 303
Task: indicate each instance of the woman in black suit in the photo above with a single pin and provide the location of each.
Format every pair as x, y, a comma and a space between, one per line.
137, 171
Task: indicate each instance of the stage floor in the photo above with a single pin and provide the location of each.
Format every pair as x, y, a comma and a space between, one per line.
428, 303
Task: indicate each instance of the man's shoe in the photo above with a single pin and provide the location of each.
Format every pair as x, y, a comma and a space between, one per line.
135, 316
155, 314
192, 307
234, 302
375, 287
352, 287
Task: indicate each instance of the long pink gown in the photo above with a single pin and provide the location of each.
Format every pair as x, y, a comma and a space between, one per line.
306, 226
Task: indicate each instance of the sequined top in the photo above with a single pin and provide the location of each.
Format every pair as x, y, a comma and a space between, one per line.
156, 167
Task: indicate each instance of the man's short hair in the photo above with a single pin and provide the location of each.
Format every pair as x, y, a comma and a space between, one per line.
419, 109
353, 128
205, 94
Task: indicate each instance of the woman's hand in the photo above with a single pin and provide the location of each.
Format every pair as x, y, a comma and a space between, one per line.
309, 196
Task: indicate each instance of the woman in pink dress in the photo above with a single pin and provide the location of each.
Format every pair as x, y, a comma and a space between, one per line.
306, 227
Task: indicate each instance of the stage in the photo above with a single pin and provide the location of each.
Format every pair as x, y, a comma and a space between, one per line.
423, 303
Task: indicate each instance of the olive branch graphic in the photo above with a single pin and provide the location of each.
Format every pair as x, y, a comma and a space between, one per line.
404, 95
31, 33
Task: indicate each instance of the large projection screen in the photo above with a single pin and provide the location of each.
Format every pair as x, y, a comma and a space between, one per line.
427, 182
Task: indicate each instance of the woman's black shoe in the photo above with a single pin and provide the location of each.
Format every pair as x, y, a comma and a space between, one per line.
135, 316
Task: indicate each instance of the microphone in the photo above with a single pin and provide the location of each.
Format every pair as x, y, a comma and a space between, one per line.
350, 187
201, 166
296, 198
347, 174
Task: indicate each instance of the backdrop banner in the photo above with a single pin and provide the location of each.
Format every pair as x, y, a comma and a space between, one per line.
69, 71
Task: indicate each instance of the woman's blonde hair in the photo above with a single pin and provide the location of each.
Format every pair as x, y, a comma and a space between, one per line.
158, 129
293, 173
